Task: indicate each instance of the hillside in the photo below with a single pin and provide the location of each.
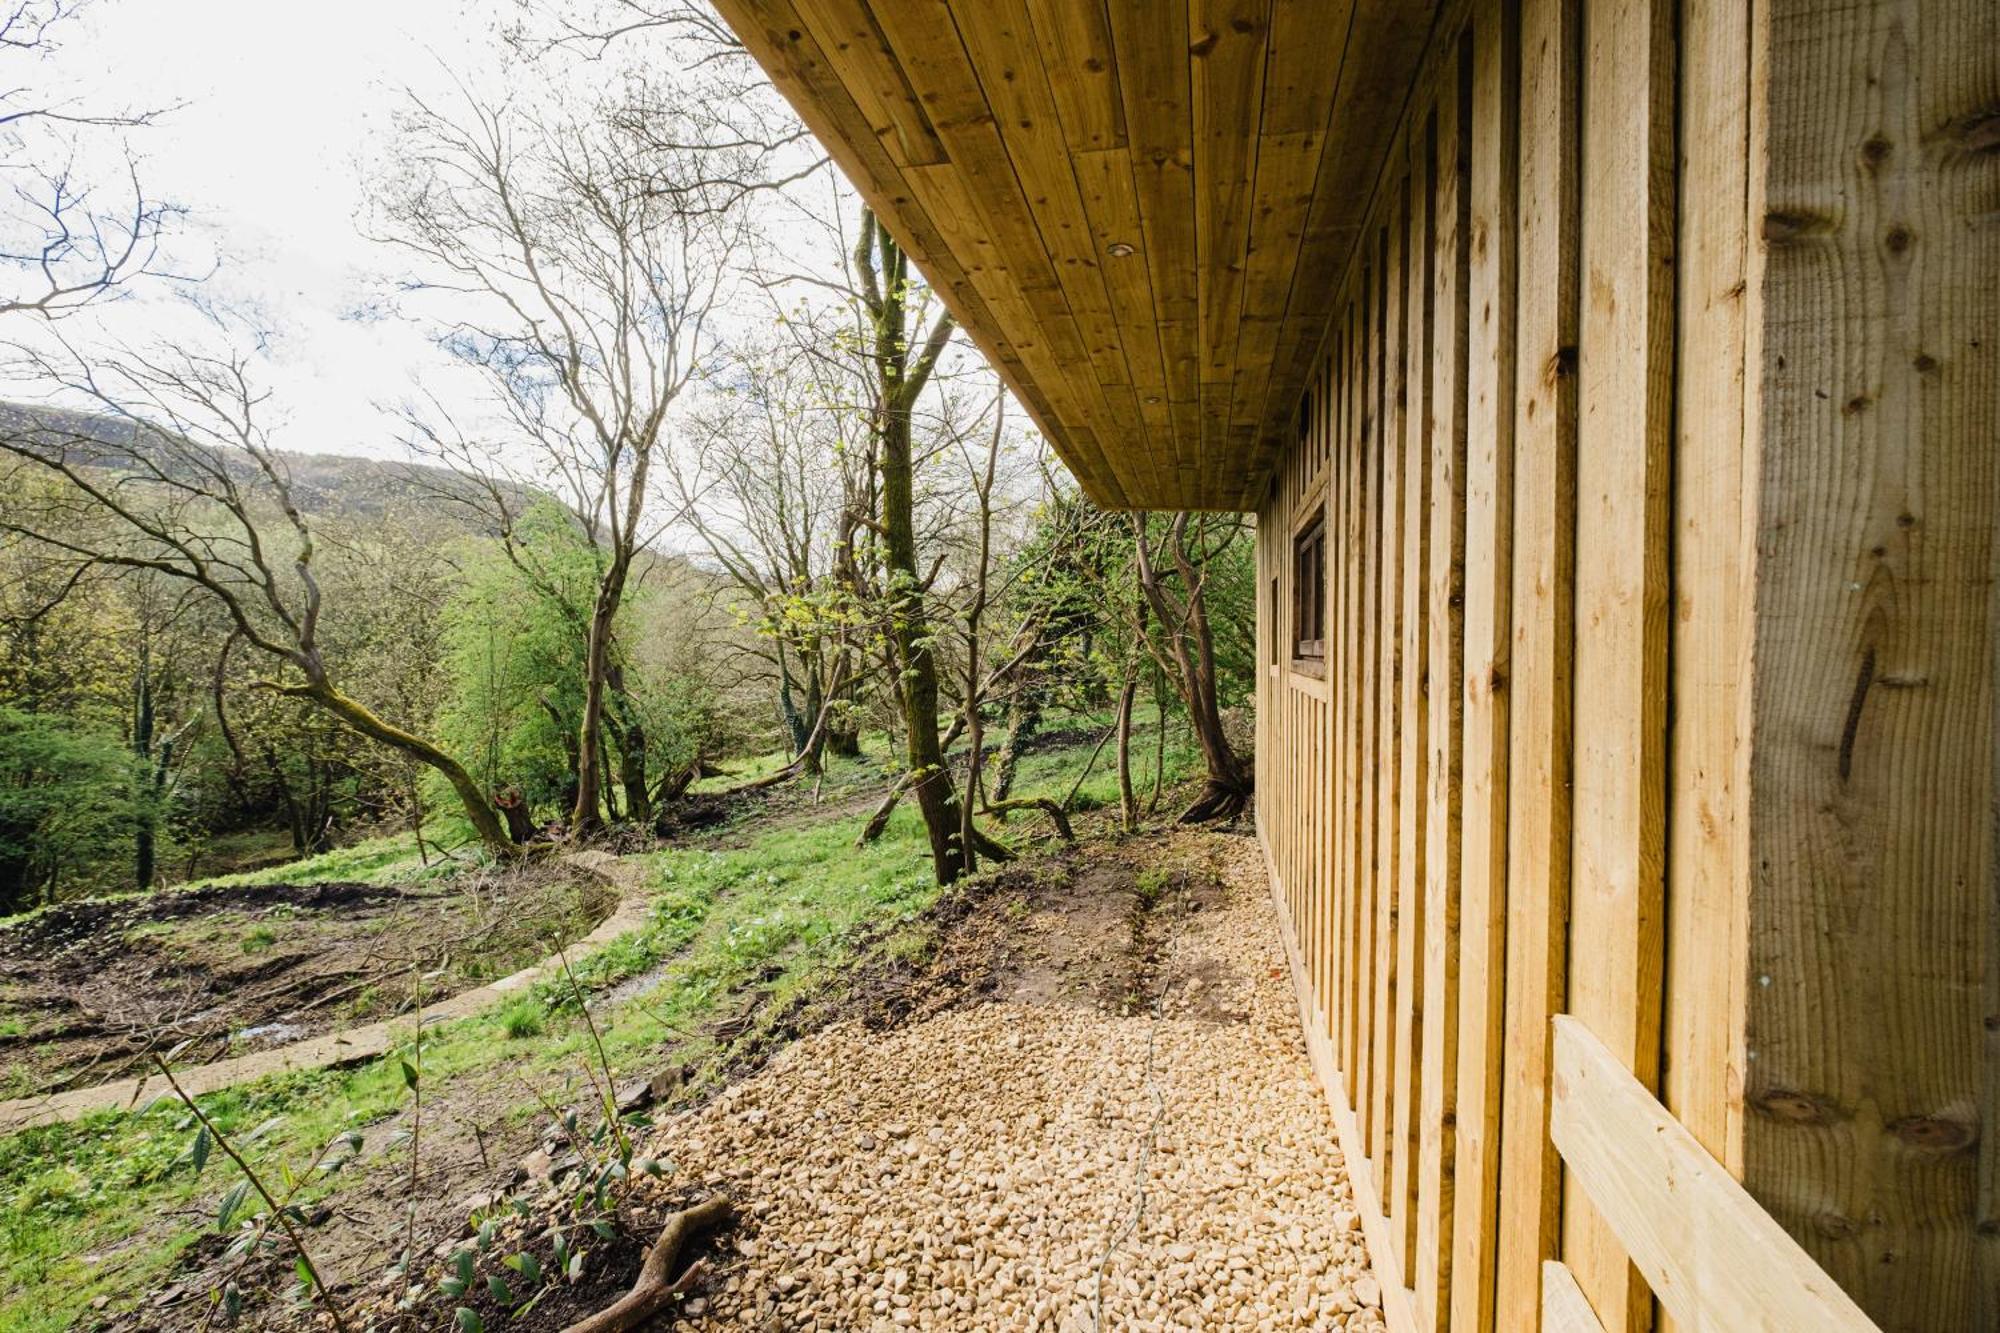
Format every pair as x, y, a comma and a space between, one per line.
324, 485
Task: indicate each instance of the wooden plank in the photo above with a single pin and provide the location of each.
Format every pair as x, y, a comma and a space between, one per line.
1227, 39
1388, 41
1873, 1085
1111, 203
1150, 50
1708, 868
1623, 474
858, 52
773, 31
1539, 695
1416, 702
1712, 1255
1334, 847
1076, 51
997, 35
1351, 796
1489, 573
1445, 595
1390, 630
1564, 1309
1369, 646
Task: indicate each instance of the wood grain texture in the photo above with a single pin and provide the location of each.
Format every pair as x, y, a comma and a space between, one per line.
1871, 1120
1540, 690
1563, 1306
1625, 372
1714, 1257
1708, 870
1415, 759
1444, 623
1489, 572
1389, 630
1253, 132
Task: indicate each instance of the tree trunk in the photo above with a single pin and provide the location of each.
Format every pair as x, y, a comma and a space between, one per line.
145, 838
586, 817
899, 381
1024, 714
1228, 785
1128, 804
930, 779
485, 820
631, 738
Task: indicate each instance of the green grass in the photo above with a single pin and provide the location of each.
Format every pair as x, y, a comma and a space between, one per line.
259, 938
106, 1205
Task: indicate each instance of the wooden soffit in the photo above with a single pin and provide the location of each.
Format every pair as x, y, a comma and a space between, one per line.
1140, 209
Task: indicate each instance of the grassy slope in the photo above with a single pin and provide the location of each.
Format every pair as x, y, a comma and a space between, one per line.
105, 1206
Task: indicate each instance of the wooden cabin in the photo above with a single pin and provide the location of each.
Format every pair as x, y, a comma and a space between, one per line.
1617, 387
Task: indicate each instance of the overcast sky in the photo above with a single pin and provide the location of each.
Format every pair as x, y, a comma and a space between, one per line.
279, 111
281, 114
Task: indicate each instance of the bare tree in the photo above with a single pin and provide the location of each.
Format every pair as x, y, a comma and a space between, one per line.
583, 273
194, 494
895, 304
68, 241
1178, 599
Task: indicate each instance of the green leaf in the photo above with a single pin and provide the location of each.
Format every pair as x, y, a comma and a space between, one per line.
461, 1263
232, 1301
409, 1075
604, 1229
230, 1203
467, 1321
199, 1153
528, 1267
264, 1129
575, 1267
453, 1288
501, 1292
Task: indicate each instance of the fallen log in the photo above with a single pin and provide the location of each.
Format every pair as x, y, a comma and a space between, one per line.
653, 1292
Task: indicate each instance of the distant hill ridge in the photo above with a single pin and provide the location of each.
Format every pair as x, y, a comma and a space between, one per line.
323, 485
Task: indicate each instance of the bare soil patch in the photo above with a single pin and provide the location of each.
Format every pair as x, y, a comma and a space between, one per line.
87, 990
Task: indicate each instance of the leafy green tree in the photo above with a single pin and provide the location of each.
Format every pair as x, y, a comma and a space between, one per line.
71, 798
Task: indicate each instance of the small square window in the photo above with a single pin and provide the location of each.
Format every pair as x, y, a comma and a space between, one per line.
1309, 594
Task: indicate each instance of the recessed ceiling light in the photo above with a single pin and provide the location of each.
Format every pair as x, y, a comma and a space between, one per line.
1118, 249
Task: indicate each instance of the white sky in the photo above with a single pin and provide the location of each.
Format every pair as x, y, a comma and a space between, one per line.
282, 105
283, 111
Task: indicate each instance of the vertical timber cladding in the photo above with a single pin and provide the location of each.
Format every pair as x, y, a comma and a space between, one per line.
1870, 1128
1653, 435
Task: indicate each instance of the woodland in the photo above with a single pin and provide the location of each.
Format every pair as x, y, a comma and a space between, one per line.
721, 529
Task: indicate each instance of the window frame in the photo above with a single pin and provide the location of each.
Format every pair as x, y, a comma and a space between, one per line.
1308, 651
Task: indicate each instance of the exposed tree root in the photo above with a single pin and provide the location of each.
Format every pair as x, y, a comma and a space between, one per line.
653, 1292
1218, 801
1055, 812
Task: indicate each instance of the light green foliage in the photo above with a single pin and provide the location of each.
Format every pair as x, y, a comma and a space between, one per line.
514, 651
70, 797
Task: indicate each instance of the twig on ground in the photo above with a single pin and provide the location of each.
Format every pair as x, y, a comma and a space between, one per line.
653, 1292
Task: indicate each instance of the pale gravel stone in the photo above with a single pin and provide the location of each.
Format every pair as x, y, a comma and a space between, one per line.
967, 1172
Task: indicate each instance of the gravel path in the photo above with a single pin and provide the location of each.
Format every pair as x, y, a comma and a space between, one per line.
975, 1170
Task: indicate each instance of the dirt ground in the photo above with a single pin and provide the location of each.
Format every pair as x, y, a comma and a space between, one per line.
1073, 958
87, 990
1003, 1049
